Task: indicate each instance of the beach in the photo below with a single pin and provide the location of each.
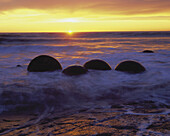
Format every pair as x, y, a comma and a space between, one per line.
117, 120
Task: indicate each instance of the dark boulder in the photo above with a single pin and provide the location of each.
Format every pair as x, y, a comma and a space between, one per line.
130, 66
75, 70
18, 66
148, 51
97, 65
43, 63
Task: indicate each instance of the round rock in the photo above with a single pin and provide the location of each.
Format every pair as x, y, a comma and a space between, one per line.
18, 66
43, 63
130, 66
148, 51
97, 65
75, 70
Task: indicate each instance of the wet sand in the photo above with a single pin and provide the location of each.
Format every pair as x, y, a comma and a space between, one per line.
130, 119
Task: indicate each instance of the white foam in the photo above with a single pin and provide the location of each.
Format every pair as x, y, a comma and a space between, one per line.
96, 85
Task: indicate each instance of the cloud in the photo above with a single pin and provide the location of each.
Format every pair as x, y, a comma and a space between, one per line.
115, 7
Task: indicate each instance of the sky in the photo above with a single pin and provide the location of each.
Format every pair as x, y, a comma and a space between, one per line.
84, 15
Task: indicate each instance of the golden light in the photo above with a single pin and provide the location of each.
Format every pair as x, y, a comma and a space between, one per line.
70, 32
73, 20
39, 20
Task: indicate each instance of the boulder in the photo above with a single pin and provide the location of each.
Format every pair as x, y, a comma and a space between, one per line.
148, 51
130, 66
18, 66
43, 63
97, 65
75, 70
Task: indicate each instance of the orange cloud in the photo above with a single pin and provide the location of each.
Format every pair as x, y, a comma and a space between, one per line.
84, 15
124, 7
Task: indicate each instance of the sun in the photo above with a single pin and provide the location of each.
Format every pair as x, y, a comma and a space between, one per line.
70, 32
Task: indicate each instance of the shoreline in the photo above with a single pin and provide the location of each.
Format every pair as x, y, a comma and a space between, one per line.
125, 120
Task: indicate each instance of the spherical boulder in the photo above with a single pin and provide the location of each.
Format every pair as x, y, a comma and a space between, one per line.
43, 63
18, 65
130, 67
148, 51
97, 64
75, 70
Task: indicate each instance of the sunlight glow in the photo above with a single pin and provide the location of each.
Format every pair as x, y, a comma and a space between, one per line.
70, 32
62, 20
73, 20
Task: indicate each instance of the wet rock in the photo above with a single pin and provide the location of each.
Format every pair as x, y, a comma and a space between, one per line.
117, 106
125, 127
3, 130
97, 65
105, 134
161, 126
141, 110
148, 51
75, 70
19, 66
44, 63
100, 122
130, 66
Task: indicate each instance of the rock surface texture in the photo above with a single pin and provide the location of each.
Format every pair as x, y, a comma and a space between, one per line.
74, 70
130, 66
44, 63
148, 51
97, 65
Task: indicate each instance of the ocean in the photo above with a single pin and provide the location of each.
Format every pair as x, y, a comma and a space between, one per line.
44, 93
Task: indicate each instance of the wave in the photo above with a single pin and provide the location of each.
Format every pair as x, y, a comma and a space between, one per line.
24, 91
86, 35
39, 91
145, 34
37, 48
36, 40
48, 97
122, 34
80, 38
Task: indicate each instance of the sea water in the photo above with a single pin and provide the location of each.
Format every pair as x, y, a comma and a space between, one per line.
21, 90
